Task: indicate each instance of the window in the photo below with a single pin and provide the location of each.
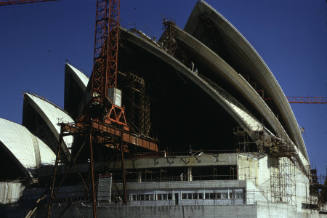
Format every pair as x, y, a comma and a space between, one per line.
170, 196
200, 195
207, 195
189, 196
134, 197
141, 197
212, 195
239, 195
195, 195
164, 197
184, 196
147, 197
159, 197
231, 195
218, 196
224, 195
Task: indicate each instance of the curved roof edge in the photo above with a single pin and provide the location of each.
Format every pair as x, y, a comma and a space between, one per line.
268, 81
82, 79
52, 115
30, 151
222, 68
75, 88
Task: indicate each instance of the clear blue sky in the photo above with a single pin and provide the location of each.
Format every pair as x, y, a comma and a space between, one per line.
291, 36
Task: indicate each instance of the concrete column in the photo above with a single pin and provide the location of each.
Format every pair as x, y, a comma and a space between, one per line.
189, 174
139, 176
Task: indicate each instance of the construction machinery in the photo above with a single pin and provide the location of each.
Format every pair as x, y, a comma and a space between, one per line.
19, 2
103, 120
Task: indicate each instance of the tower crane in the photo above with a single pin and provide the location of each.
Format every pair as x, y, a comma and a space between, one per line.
307, 100
103, 121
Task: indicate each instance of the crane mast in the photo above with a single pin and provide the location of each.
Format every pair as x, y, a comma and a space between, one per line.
103, 120
106, 45
104, 91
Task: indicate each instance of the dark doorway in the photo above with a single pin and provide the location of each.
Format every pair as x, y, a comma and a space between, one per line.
176, 198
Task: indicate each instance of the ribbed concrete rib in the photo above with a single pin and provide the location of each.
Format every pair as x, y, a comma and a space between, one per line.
236, 80
262, 72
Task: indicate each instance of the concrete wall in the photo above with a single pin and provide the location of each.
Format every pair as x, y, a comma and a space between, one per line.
77, 210
259, 210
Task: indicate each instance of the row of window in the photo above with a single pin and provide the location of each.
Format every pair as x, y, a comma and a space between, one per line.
213, 196
187, 196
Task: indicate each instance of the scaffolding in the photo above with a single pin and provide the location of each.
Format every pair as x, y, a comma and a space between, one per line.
282, 180
243, 141
282, 166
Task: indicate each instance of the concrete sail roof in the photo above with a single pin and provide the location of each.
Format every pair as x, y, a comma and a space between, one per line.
52, 115
244, 118
29, 150
261, 71
75, 88
82, 78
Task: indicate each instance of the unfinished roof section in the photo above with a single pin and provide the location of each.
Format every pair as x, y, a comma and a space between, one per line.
222, 73
42, 117
221, 98
211, 28
27, 149
75, 86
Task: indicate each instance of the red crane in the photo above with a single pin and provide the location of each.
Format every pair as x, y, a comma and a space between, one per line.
103, 119
307, 100
18, 2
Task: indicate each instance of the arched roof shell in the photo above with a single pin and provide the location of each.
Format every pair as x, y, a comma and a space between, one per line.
261, 71
28, 150
52, 115
244, 118
82, 79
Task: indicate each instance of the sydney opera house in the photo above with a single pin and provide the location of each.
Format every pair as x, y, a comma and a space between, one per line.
230, 145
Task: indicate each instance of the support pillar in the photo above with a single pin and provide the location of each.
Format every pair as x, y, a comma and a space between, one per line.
189, 174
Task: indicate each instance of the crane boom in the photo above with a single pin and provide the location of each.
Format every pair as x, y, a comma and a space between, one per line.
19, 2
307, 100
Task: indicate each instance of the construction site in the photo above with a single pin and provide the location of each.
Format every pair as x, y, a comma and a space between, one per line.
193, 124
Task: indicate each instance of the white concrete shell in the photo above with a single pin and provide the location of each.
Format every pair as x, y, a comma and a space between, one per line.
75, 88
52, 115
81, 78
245, 51
29, 150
